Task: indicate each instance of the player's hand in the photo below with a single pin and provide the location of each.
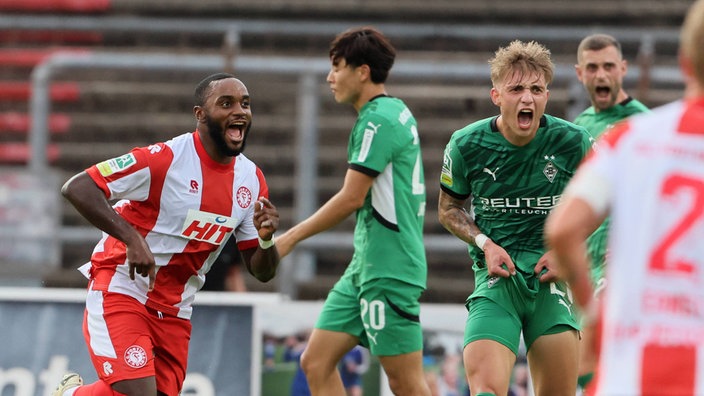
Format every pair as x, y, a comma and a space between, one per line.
498, 261
266, 218
546, 269
141, 260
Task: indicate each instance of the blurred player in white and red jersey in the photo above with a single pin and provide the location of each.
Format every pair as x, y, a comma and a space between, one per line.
178, 203
648, 175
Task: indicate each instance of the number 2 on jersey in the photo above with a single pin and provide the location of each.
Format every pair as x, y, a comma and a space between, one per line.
659, 259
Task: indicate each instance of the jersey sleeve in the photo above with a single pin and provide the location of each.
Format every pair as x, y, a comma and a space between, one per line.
591, 186
129, 176
453, 177
372, 144
263, 186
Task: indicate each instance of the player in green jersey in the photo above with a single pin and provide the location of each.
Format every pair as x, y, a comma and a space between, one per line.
601, 68
376, 301
512, 169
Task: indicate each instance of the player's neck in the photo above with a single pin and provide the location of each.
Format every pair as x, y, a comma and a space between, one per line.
368, 93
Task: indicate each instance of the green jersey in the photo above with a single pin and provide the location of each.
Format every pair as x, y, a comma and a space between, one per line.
512, 189
388, 235
596, 123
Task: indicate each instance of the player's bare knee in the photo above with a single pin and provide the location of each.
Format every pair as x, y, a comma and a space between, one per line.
314, 367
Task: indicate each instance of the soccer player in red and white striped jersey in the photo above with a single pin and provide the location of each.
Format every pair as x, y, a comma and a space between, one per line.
647, 173
177, 203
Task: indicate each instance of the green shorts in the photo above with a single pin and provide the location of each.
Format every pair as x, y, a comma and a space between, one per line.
511, 307
382, 313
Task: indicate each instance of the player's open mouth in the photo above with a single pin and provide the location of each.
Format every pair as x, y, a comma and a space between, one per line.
525, 118
603, 91
235, 131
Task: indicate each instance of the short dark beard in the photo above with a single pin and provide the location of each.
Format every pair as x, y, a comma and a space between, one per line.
218, 136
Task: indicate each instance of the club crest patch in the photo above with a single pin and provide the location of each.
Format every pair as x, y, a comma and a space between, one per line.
550, 171
244, 197
136, 356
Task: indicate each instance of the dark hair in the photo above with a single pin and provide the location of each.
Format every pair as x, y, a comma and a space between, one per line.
364, 46
596, 42
202, 89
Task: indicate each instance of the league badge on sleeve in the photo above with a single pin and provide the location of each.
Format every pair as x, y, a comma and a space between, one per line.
114, 165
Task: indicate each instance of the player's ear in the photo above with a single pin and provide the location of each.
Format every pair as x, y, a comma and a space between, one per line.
198, 112
364, 72
495, 96
578, 71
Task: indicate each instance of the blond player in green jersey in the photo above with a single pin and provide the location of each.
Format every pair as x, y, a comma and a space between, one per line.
501, 177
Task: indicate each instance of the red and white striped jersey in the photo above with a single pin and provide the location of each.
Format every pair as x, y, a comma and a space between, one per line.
185, 205
652, 328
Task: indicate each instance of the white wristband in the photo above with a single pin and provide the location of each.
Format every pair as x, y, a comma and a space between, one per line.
480, 240
266, 244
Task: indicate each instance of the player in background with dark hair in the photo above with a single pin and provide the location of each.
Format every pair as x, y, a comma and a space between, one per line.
511, 169
647, 174
601, 69
179, 202
376, 301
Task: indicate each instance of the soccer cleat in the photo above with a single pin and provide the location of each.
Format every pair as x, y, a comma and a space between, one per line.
70, 380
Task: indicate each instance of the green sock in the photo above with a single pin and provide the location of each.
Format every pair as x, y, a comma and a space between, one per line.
485, 394
585, 379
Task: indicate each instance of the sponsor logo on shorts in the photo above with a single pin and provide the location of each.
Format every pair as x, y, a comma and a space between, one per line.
372, 337
136, 356
564, 298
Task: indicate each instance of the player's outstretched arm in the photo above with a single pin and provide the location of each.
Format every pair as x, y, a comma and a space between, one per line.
350, 198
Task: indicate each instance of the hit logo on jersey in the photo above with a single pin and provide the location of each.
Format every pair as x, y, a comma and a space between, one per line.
207, 227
